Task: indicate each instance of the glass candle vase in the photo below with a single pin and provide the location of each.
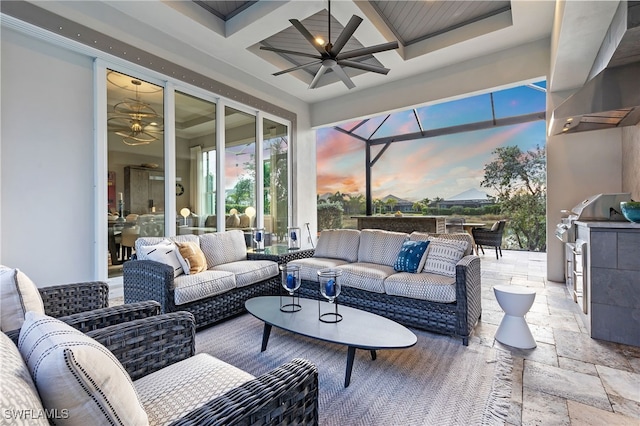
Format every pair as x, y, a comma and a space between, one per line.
258, 239
294, 238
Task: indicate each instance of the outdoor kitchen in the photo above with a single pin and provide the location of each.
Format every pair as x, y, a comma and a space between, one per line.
602, 266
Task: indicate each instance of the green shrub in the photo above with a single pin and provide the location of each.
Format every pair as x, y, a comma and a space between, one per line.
329, 216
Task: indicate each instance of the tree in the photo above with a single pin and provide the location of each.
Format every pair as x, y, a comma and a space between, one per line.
377, 204
391, 203
519, 180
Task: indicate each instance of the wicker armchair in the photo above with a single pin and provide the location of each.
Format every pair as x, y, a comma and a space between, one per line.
489, 237
285, 395
85, 306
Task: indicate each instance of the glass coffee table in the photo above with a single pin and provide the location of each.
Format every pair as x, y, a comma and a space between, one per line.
357, 330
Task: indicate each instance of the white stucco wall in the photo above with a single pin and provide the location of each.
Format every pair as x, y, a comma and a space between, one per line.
47, 161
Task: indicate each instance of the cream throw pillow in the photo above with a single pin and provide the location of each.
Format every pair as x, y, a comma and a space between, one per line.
18, 295
193, 257
73, 372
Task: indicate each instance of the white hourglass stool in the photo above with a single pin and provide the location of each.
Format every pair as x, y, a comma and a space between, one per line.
515, 302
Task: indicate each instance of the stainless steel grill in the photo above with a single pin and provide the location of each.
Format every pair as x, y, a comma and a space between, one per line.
600, 207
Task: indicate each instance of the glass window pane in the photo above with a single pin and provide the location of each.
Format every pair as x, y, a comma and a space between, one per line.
195, 165
240, 169
454, 113
276, 178
135, 159
519, 101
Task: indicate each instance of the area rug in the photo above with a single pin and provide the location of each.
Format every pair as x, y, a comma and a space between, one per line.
436, 382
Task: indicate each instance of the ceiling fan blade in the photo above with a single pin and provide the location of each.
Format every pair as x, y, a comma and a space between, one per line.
290, 52
343, 76
368, 50
346, 34
363, 66
323, 69
311, 39
297, 68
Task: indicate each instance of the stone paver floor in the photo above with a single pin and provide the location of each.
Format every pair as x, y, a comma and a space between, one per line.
569, 378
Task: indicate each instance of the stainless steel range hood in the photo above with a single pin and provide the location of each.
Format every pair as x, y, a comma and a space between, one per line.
612, 97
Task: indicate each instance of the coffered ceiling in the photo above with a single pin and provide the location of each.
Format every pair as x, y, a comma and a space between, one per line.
222, 39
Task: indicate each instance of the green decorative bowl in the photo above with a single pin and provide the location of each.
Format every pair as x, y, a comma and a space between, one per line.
631, 210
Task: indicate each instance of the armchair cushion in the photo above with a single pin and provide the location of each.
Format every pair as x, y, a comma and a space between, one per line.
74, 372
18, 295
18, 390
443, 255
169, 394
495, 226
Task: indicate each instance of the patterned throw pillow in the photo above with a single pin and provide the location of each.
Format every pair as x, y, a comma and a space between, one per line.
193, 257
443, 255
18, 294
412, 256
77, 375
166, 252
19, 394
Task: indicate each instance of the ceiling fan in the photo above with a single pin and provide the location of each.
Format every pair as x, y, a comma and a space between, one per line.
330, 57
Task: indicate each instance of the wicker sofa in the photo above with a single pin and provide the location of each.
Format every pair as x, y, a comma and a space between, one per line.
212, 295
143, 372
426, 300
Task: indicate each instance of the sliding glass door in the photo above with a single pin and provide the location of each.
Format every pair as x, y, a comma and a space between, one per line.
228, 169
135, 152
195, 127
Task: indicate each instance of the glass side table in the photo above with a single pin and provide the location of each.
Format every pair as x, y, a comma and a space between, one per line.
279, 254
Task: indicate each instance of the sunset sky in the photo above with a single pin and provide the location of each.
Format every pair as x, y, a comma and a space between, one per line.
434, 167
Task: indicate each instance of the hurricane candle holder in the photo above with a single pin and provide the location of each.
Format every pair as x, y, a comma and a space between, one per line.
258, 239
291, 282
330, 287
294, 238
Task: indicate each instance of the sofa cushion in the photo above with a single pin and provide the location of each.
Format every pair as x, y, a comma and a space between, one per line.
223, 247
249, 272
18, 394
309, 267
150, 241
338, 244
378, 246
165, 252
189, 288
443, 255
193, 257
412, 256
18, 295
424, 286
76, 373
174, 391
365, 276
456, 236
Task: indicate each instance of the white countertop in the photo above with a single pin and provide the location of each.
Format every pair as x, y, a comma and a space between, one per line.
608, 224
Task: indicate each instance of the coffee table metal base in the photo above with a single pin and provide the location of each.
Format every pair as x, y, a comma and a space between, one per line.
351, 353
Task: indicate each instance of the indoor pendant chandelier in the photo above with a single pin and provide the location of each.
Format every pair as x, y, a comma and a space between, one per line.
135, 121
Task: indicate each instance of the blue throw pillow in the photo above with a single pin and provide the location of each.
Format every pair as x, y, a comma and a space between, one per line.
411, 256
